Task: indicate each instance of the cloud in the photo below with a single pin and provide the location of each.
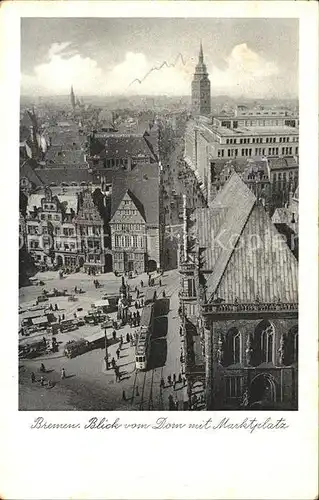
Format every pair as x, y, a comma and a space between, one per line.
63, 69
245, 72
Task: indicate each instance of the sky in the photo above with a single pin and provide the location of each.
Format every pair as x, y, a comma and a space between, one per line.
103, 56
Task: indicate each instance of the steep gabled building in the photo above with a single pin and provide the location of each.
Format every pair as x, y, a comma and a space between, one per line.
135, 225
239, 297
90, 235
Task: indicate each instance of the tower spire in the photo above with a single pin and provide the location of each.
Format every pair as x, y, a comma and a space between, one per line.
201, 56
72, 97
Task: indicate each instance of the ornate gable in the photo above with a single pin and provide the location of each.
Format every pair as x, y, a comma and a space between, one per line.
128, 211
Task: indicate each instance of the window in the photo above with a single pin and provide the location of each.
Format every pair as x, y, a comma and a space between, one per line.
42, 216
232, 347
263, 343
49, 217
117, 240
56, 217
134, 241
127, 241
233, 387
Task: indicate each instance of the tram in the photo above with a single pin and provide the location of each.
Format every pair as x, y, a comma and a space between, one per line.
144, 337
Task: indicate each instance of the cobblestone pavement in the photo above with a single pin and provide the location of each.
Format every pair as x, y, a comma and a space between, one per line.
88, 385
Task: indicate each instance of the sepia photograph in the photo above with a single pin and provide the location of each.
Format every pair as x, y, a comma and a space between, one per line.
158, 214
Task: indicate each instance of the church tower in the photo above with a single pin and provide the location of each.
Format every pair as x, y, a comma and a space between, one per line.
201, 88
72, 96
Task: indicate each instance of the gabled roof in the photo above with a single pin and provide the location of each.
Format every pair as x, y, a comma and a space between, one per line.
27, 170
129, 195
120, 146
243, 250
143, 185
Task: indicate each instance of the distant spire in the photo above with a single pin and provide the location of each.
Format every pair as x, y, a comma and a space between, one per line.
201, 56
72, 97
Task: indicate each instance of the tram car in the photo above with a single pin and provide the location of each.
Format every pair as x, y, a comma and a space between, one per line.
143, 345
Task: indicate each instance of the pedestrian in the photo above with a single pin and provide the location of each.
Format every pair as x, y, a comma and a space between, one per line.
113, 363
42, 368
123, 396
32, 378
75, 289
51, 307
136, 305
181, 331
181, 358
42, 381
164, 295
56, 307
131, 340
162, 384
114, 335
142, 283
169, 380
127, 337
160, 282
121, 339
63, 373
63, 317
171, 404
118, 353
137, 293
74, 314
180, 378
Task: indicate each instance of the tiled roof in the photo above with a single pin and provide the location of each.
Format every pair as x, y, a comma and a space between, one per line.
120, 146
27, 170
58, 175
283, 162
228, 233
143, 183
59, 155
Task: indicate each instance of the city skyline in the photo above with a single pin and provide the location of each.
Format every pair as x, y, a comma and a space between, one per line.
243, 57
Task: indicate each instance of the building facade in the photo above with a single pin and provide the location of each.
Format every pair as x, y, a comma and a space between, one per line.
240, 317
129, 239
135, 220
264, 133
90, 235
50, 229
201, 88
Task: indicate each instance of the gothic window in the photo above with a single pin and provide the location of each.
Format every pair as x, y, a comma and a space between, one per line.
232, 347
291, 347
263, 345
233, 387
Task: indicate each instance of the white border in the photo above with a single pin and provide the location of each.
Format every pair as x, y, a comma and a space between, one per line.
168, 464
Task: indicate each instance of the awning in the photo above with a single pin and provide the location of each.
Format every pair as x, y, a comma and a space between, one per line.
40, 321
95, 336
102, 303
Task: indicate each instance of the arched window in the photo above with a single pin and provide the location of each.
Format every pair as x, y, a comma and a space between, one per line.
291, 347
263, 343
232, 347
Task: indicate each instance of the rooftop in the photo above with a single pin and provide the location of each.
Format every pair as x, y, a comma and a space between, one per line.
143, 183
120, 146
242, 250
254, 131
